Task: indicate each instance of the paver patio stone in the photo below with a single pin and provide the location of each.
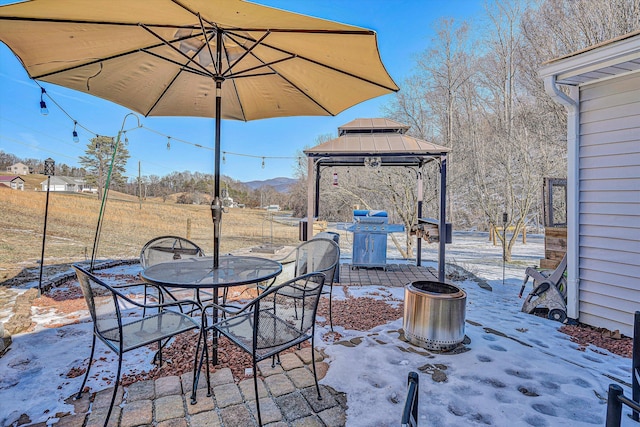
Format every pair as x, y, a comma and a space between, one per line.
203, 404
310, 421
333, 417
266, 369
311, 396
205, 419
248, 390
166, 386
301, 377
102, 398
279, 384
290, 361
321, 369
305, 355
142, 390
174, 422
187, 381
293, 406
138, 412
97, 417
168, 407
221, 376
76, 420
237, 415
227, 395
269, 411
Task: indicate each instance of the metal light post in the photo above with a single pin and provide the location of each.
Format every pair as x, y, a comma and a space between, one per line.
49, 170
505, 218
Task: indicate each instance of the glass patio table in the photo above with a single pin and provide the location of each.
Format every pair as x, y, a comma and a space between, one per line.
199, 274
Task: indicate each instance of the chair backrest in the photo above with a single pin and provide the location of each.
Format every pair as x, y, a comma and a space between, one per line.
103, 307
293, 305
317, 255
168, 248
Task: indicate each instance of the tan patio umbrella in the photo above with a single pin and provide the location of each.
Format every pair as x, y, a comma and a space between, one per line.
225, 59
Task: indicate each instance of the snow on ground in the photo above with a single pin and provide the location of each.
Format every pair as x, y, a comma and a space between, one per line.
518, 370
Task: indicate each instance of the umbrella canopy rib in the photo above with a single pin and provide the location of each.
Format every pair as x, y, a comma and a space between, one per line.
179, 52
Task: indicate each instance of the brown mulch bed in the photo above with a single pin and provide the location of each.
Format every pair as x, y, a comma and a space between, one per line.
600, 337
359, 314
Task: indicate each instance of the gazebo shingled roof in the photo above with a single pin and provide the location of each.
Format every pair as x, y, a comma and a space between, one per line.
377, 137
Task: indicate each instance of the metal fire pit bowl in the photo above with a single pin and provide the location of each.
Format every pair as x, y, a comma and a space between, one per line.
434, 314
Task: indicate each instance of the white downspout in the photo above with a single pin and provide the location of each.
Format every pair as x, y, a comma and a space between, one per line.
572, 103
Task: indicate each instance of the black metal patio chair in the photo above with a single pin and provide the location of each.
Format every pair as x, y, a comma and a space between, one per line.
166, 249
119, 322
318, 255
281, 317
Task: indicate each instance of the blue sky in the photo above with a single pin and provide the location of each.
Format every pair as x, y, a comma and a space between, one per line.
404, 30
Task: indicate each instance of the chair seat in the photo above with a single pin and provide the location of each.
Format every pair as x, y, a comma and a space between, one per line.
149, 330
274, 335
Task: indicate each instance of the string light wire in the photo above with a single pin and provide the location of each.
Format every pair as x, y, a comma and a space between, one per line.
169, 138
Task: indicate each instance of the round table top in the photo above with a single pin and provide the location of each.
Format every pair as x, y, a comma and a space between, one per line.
199, 272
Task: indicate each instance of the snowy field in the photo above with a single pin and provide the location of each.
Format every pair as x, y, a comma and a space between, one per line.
518, 370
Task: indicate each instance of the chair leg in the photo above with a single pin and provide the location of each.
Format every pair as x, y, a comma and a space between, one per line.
84, 382
115, 390
197, 365
255, 387
313, 363
330, 306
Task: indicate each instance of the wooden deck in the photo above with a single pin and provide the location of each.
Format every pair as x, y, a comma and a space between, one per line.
396, 275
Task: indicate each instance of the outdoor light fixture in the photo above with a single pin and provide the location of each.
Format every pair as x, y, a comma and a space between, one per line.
43, 105
372, 162
75, 134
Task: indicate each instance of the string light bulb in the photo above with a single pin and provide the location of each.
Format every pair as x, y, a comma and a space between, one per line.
224, 158
43, 105
263, 163
168, 143
126, 138
75, 133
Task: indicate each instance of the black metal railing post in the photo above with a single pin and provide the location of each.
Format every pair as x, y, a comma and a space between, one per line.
635, 365
614, 406
410, 412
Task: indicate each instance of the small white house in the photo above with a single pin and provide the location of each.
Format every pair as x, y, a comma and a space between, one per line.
14, 182
19, 169
67, 183
602, 97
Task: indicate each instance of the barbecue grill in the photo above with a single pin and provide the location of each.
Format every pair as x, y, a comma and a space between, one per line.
370, 229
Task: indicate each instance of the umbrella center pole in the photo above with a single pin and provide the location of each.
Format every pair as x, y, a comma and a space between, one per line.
216, 215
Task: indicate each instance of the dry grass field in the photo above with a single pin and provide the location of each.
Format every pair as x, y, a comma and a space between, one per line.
72, 221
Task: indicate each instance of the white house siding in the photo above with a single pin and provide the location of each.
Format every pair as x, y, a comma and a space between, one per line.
609, 203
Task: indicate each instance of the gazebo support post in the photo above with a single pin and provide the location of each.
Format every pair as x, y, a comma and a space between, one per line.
316, 203
443, 221
419, 240
310, 196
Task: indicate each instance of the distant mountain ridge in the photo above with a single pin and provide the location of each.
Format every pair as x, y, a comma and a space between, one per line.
281, 184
